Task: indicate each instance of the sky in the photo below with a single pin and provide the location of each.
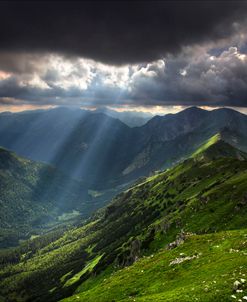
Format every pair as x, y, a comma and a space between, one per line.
134, 56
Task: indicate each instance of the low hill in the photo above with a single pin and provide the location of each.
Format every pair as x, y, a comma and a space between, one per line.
179, 235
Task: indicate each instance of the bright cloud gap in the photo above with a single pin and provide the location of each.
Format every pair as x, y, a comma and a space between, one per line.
195, 77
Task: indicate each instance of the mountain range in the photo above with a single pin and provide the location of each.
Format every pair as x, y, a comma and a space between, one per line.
104, 152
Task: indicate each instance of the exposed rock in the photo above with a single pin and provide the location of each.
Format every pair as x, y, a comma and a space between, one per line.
131, 255
183, 259
179, 240
236, 285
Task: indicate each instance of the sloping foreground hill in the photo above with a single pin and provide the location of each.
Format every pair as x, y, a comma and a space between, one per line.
33, 194
204, 268
177, 236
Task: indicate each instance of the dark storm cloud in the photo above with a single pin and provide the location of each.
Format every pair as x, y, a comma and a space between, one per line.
114, 32
161, 53
198, 80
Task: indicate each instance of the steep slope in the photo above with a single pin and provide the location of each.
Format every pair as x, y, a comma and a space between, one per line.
97, 150
91, 146
204, 268
33, 195
158, 216
168, 127
165, 141
172, 138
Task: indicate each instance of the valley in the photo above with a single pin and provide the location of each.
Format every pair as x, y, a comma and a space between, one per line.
34, 197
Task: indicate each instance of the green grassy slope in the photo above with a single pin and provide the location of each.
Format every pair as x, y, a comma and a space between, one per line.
202, 195
204, 268
216, 147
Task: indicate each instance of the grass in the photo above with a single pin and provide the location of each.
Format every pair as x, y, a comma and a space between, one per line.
207, 144
221, 260
88, 268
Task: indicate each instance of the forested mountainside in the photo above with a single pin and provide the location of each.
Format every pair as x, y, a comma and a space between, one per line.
35, 195
179, 235
104, 152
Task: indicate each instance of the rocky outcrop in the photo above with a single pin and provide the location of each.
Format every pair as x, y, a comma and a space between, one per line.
130, 255
181, 237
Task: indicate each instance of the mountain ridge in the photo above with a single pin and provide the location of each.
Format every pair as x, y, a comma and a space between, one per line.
216, 147
118, 154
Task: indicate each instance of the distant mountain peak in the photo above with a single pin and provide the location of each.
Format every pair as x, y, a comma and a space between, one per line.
193, 109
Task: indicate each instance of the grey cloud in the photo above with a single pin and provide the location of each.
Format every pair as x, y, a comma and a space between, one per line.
191, 78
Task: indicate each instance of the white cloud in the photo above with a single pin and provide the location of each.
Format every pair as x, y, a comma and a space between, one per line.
34, 82
183, 72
